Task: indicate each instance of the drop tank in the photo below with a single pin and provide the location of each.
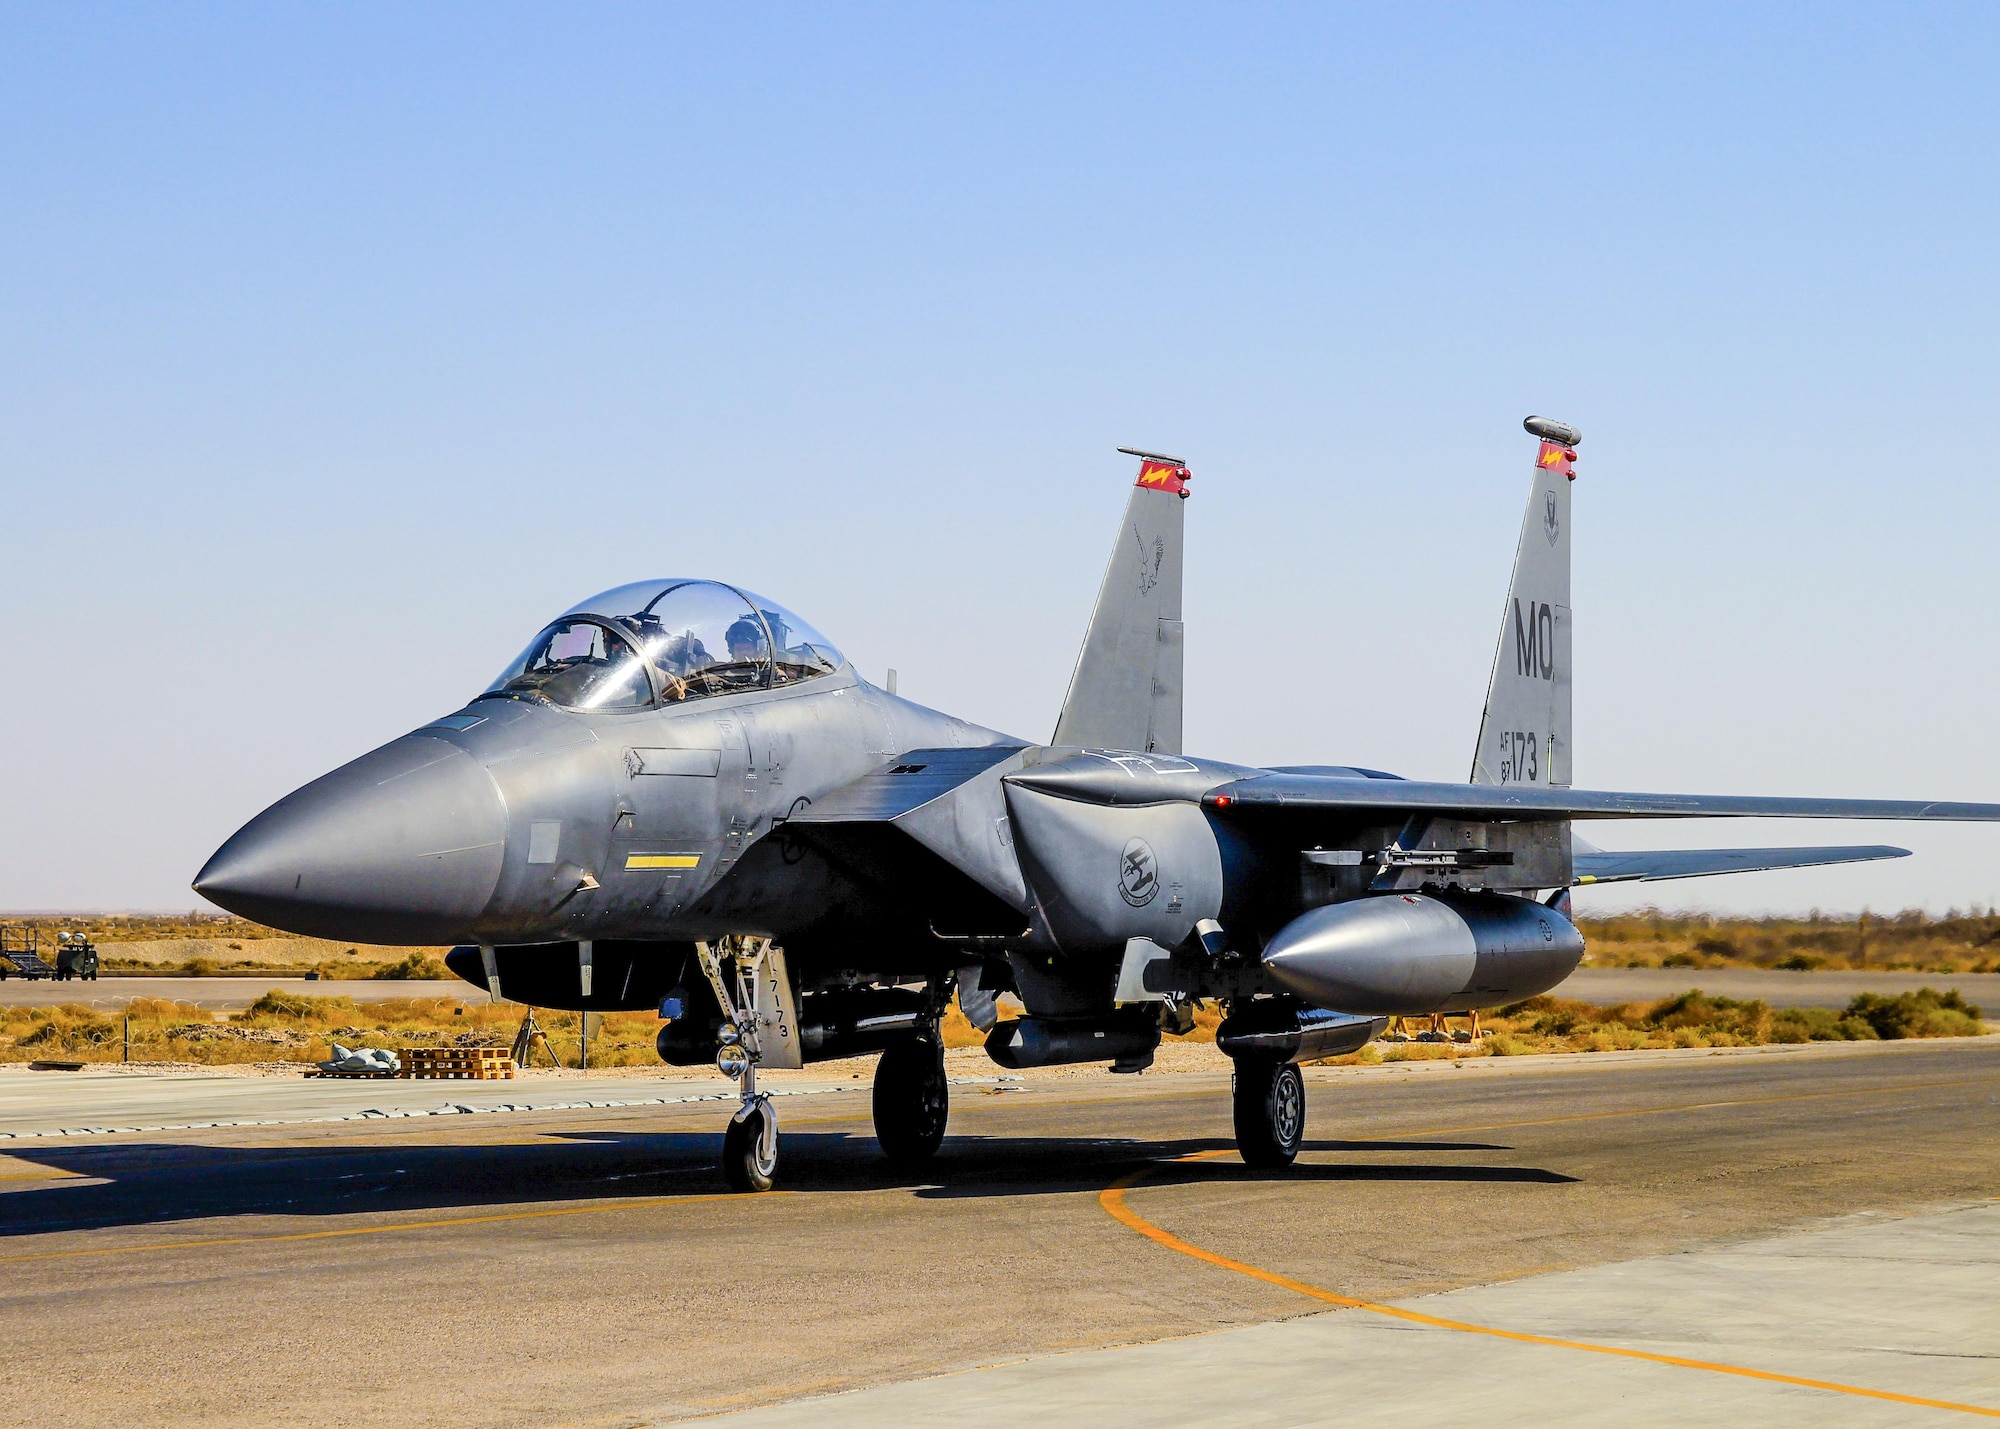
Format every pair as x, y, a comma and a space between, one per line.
1414, 953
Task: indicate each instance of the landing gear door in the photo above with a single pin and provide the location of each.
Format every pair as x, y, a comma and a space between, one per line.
777, 1012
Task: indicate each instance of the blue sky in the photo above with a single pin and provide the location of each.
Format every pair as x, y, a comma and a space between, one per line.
340, 347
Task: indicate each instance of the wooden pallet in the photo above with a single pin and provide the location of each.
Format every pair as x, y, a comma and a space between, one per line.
457, 1063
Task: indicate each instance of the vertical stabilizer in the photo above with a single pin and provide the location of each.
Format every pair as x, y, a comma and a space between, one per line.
1524, 735
1126, 692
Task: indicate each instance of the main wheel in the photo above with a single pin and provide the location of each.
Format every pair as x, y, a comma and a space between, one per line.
750, 1151
912, 1100
1270, 1108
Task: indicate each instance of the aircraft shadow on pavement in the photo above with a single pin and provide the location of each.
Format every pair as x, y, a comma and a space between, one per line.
154, 1183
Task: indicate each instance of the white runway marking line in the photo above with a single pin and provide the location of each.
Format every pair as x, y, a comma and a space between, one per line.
450, 1109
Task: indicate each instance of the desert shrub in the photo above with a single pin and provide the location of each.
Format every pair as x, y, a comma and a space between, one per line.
1547, 1016
1925, 1012
1740, 1022
1801, 963
299, 1007
1680, 960
417, 967
70, 1029
1818, 1024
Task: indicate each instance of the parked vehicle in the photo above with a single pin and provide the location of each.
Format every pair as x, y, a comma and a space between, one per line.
76, 957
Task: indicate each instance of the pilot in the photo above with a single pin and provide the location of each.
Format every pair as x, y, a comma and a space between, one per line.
746, 642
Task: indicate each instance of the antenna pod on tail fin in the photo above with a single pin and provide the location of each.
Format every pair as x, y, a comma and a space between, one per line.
1126, 691
1524, 735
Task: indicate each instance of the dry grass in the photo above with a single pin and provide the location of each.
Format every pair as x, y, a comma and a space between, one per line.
285, 1027
281, 1027
1958, 942
1910, 940
1693, 1019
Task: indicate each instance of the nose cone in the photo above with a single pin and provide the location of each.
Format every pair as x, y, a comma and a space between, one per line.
402, 846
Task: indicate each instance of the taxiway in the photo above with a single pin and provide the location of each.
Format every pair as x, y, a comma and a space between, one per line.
575, 1264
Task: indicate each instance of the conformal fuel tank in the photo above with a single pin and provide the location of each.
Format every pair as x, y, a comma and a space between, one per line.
1407, 953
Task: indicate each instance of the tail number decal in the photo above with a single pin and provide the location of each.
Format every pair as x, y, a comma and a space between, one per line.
1535, 640
1520, 757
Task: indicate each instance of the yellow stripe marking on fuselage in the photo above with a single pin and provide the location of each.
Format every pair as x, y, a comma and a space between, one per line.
663, 860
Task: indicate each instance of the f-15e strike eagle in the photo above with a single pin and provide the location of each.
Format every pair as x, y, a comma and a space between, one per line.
681, 796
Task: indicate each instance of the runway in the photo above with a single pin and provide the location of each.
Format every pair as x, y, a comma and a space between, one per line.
576, 1266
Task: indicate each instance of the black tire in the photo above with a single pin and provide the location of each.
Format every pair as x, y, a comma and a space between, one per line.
743, 1164
912, 1101
1270, 1105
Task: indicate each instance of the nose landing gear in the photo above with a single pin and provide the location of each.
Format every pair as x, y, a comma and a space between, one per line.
755, 993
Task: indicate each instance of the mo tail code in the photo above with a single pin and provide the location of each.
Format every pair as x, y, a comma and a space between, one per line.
1535, 640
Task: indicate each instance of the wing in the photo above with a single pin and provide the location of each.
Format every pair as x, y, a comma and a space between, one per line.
1650, 866
1537, 804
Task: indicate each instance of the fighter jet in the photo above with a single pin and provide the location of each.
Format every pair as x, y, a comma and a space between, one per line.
681, 796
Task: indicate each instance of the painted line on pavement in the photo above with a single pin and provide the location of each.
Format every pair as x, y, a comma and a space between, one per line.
455, 1109
1112, 1199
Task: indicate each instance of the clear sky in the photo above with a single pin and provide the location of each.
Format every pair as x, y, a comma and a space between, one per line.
342, 346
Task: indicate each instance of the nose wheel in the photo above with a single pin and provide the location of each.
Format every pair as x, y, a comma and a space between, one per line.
750, 1146
1270, 1106
912, 1100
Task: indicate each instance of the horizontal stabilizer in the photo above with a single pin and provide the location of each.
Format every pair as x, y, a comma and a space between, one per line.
1653, 865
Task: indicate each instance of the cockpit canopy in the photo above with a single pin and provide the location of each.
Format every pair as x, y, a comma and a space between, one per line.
664, 642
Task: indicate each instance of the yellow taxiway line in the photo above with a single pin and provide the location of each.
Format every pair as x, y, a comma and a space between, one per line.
1112, 1199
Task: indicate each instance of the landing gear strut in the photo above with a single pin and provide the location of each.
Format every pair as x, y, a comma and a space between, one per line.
1270, 1105
751, 986
912, 1099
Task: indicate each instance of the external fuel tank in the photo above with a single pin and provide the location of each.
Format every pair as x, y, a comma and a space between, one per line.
1414, 953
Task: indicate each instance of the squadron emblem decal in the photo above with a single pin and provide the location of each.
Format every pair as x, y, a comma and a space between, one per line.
1551, 527
1138, 873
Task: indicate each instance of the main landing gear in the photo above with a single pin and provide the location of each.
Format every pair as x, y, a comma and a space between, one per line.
912, 1099
1270, 1106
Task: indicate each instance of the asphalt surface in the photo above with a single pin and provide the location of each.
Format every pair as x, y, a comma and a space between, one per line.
576, 1266
1605, 985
